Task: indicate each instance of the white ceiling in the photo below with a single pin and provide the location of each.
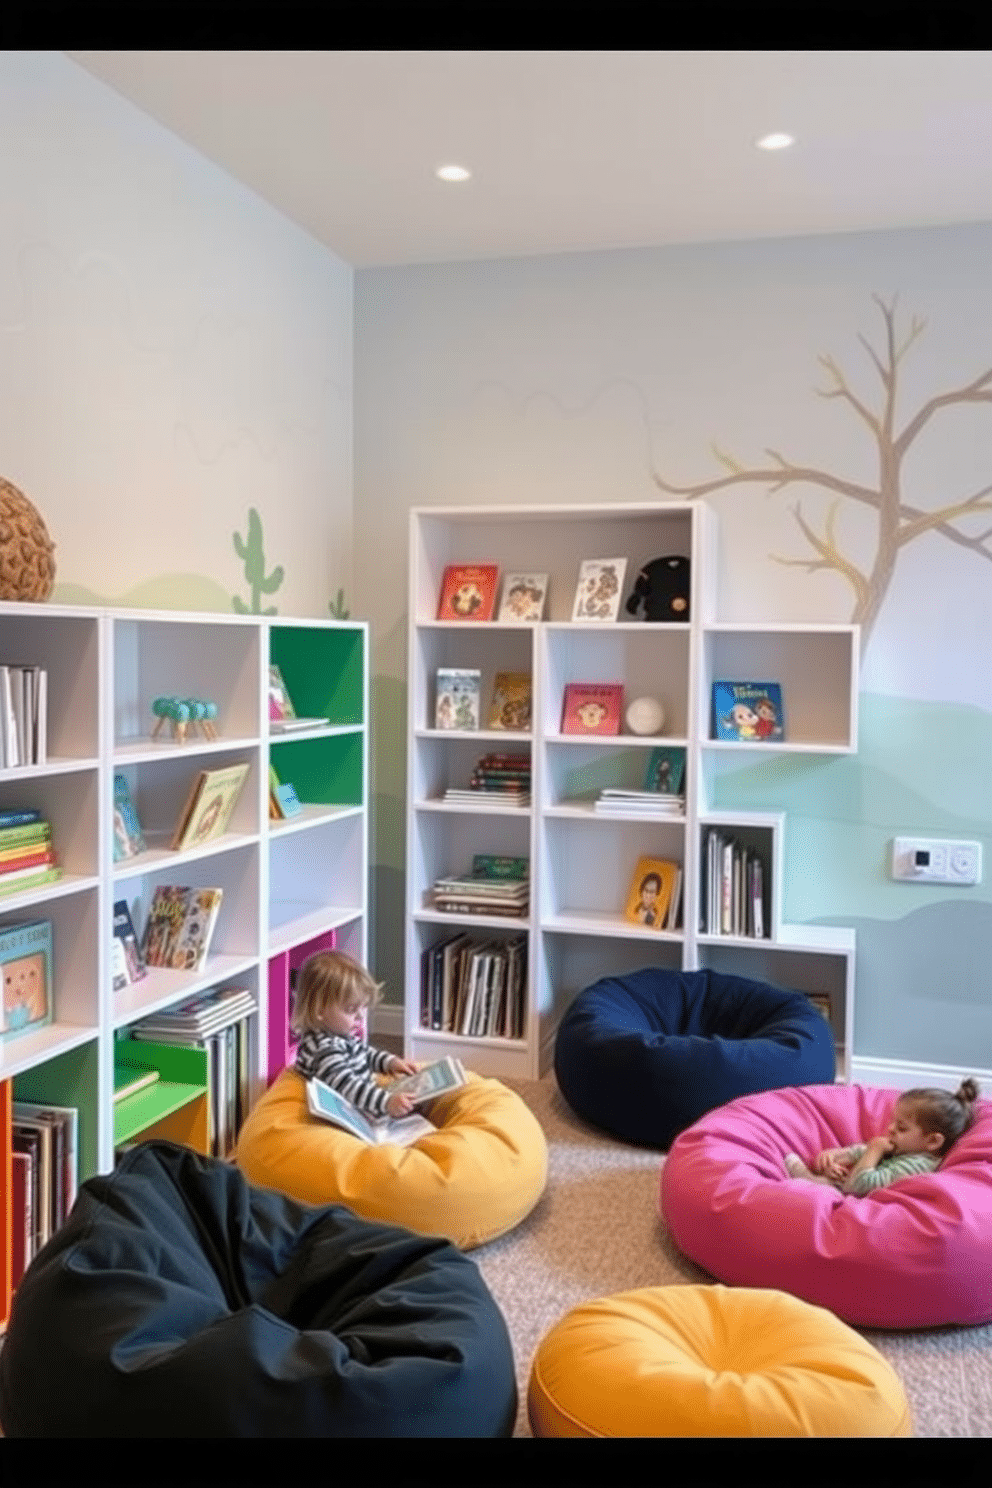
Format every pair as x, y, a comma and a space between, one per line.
578, 150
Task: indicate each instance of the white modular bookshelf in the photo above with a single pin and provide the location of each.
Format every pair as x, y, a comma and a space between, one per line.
286, 883
582, 861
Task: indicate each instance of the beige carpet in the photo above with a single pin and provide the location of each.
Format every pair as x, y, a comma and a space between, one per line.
597, 1231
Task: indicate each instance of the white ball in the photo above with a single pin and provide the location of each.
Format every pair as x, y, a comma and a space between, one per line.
645, 716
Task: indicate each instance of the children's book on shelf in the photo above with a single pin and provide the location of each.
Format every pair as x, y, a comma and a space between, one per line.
498, 884
523, 596
283, 800
599, 588
732, 901
511, 705
209, 806
180, 926
666, 770
651, 892
456, 698
592, 708
26, 964
399, 1130
128, 836
47, 1137
468, 591
128, 966
283, 717
748, 711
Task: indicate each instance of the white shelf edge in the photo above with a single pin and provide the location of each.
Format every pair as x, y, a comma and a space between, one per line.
312, 816
157, 858
20, 1052
140, 751
161, 987
314, 920
607, 925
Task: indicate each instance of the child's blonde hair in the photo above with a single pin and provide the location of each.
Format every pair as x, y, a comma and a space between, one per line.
330, 979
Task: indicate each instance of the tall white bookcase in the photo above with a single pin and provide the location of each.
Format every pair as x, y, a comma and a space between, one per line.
287, 884
582, 861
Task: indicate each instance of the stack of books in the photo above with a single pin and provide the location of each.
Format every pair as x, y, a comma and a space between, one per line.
219, 1022
617, 802
498, 780
27, 858
497, 885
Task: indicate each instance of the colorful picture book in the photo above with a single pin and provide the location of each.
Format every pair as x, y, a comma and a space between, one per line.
496, 780
749, 712
468, 591
592, 708
209, 806
456, 698
26, 966
128, 966
599, 588
128, 836
283, 717
180, 926
44, 1144
523, 596
666, 770
511, 704
652, 891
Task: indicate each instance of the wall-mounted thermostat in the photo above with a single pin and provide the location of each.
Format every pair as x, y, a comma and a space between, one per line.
936, 860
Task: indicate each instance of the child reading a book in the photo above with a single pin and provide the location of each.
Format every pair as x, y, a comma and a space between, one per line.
925, 1124
332, 992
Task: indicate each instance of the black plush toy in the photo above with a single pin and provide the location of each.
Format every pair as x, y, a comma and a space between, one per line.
662, 586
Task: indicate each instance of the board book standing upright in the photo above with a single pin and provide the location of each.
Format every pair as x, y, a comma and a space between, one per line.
748, 712
592, 708
468, 591
209, 806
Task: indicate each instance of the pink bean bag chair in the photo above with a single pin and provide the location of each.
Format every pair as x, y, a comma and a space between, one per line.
915, 1255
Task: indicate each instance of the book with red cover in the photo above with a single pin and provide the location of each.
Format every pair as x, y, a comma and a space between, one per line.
592, 708
468, 591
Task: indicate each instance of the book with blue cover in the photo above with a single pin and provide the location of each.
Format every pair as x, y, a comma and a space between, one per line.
748, 712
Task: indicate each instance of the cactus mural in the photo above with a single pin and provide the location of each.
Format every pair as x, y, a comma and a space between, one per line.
336, 607
252, 553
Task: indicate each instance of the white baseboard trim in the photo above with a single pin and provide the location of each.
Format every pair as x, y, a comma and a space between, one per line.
904, 1074
387, 1019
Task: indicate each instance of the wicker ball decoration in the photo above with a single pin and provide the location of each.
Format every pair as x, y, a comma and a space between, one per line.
27, 562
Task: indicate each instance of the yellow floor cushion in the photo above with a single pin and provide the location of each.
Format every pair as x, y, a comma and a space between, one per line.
711, 1361
474, 1178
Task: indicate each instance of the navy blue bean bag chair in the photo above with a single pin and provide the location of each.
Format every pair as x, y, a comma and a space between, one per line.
644, 1056
177, 1300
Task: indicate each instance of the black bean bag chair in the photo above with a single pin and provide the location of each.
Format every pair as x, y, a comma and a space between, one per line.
177, 1300
644, 1056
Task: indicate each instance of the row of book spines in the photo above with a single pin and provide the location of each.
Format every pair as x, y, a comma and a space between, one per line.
23, 715
44, 1177
474, 988
733, 889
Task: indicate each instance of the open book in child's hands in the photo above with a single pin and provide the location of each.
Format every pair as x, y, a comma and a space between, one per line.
434, 1079
329, 1106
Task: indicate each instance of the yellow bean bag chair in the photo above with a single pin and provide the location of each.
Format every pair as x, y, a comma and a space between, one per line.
711, 1361
476, 1177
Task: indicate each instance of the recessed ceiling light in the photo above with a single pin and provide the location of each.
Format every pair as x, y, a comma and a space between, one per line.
452, 173
775, 141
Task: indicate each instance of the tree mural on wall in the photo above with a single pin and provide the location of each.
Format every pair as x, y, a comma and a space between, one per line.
898, 522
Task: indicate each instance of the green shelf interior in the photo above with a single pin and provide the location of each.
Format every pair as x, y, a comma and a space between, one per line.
182, 1078
323, 671
327, 770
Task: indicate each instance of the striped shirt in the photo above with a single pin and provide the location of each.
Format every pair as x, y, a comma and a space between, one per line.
348, 1066
890, 1169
